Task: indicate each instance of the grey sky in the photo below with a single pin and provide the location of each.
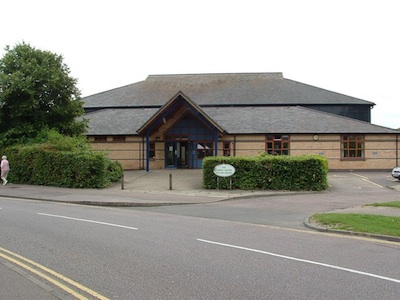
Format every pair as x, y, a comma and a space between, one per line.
349, 47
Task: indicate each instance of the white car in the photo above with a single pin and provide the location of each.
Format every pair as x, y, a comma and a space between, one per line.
396, 173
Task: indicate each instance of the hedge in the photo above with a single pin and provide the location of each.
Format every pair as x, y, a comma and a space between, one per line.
292, 173
42, 165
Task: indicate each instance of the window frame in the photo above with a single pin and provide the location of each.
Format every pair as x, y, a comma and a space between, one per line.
226, 149
119, 139
152, 150
204, 149
352, 143
275, 144
100, 139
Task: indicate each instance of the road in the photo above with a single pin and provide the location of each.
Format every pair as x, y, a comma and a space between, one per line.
132, 254
346, 190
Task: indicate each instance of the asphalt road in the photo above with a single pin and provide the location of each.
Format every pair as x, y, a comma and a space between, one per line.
131, 254
347, 189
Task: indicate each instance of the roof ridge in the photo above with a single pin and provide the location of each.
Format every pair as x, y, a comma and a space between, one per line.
269, 74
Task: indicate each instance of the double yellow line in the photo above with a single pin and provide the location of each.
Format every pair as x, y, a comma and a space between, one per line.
51, 276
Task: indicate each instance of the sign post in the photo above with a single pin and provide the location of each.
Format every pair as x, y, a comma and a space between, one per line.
224, 170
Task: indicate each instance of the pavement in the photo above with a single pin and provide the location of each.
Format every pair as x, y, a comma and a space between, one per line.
138, 188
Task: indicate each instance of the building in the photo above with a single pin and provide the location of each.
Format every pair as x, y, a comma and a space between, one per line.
174, 121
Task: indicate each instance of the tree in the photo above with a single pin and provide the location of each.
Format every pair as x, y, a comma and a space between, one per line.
37, 93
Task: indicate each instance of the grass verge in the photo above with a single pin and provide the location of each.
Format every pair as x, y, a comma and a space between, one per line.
395, 204
360, 223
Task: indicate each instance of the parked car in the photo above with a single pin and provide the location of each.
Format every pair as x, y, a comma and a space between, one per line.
396, 173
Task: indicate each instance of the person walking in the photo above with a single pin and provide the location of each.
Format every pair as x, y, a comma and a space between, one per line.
5, 168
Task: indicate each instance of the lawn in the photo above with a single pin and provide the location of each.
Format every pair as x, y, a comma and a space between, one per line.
375, 224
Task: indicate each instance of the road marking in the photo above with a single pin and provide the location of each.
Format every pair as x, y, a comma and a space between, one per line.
331, 234
392, 180
23, 262
88, 221
367, 180
355, 174
302, 260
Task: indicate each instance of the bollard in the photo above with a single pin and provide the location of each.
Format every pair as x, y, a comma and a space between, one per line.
170, 181
122, 181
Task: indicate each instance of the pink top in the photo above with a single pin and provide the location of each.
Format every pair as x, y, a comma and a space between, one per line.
5, 165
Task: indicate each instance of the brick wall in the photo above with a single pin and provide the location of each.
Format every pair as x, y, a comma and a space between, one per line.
380, 150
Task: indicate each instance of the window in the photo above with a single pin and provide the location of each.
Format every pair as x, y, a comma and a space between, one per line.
152, 150
204, 149
352, 147
100, 139
227, 149
119, 139
277, 144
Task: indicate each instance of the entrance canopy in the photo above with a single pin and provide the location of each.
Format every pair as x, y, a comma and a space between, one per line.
188, 133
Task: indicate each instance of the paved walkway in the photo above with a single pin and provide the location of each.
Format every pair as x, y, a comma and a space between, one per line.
154, 188
139, 188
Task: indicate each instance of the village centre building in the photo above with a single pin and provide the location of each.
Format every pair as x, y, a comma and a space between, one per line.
174, 121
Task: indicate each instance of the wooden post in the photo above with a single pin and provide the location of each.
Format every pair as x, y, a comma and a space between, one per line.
170, 181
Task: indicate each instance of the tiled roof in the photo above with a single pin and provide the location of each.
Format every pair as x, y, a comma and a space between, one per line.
239, 120
118, 121
244, 103
287, 119
219, 89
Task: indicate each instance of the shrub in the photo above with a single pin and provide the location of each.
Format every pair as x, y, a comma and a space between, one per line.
63, 162
294, 173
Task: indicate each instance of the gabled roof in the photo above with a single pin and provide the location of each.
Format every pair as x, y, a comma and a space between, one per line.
230, 89
239, 120
243, 103
182, 99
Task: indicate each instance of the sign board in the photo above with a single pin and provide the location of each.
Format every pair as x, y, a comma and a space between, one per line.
224, 170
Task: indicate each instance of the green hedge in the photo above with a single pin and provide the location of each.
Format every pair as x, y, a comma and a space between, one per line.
292, 173
43, 165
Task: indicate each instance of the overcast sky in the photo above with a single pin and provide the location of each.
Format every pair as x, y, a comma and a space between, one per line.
346, 46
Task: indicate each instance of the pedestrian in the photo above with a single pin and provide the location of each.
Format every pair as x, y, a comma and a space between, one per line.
5, 168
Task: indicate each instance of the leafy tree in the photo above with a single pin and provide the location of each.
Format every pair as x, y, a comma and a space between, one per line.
37, 93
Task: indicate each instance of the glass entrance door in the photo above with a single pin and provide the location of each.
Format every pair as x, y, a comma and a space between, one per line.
183, 154
171, 155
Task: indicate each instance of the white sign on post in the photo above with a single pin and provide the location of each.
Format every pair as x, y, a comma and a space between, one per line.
224, 170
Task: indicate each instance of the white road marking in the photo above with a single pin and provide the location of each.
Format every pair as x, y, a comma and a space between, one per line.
367, 180
378, 185
355, 174
303, 260
88, 221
